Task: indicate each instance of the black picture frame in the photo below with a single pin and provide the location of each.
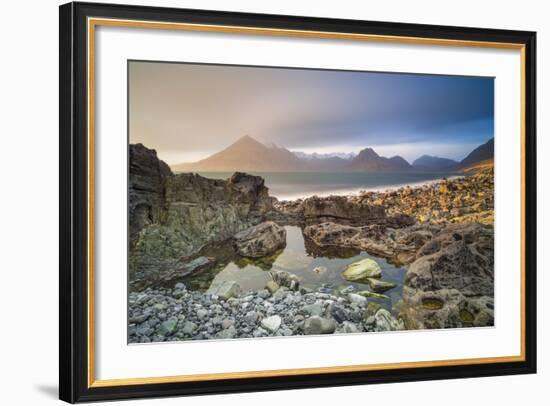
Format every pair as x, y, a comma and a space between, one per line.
73, 256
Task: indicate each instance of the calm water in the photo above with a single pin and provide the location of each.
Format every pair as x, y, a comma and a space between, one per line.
294, 185
299, 258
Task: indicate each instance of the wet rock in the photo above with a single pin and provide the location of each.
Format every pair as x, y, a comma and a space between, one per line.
261, 240
373, 295
195, 265
379, 286
362, 270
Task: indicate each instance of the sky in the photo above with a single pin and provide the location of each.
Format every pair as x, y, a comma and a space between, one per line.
190, 111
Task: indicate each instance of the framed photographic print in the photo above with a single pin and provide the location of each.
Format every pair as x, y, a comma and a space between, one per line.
256, 202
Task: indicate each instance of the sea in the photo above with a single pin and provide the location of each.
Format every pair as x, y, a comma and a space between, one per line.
299, 185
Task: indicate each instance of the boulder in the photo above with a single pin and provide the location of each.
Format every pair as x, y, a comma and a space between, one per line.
225, 290
271, 323
260, 240
319, 325
379, 286
461, 257
361, 270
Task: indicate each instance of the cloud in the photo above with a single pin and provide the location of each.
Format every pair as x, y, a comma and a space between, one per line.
188, 111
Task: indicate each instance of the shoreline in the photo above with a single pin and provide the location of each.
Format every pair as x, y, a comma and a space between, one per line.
360, 190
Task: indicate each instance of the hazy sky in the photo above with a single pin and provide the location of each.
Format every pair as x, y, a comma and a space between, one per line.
189, 111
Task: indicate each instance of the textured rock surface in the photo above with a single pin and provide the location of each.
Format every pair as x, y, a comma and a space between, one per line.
260, 240
451, 283
147, 187
316, 209
398, 245
171, 216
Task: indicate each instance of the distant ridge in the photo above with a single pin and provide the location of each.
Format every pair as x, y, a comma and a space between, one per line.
434, 163
248, 155
369, 160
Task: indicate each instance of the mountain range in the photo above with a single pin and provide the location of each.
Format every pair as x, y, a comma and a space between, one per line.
249, 155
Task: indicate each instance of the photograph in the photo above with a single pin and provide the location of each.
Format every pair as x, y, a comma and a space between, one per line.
286, 201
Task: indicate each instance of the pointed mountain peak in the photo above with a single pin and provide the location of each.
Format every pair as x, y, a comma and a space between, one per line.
247, 139
368, 153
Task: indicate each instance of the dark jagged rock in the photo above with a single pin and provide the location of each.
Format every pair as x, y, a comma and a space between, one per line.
147, 187
172, 216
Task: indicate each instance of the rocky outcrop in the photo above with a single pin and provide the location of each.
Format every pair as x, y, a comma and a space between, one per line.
397, 245
172, 216
147, 188
459, 257
339, 208
451, 283
342, 210
260, 240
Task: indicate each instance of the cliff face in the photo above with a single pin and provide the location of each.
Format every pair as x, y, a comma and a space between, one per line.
172, 216
147, 187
